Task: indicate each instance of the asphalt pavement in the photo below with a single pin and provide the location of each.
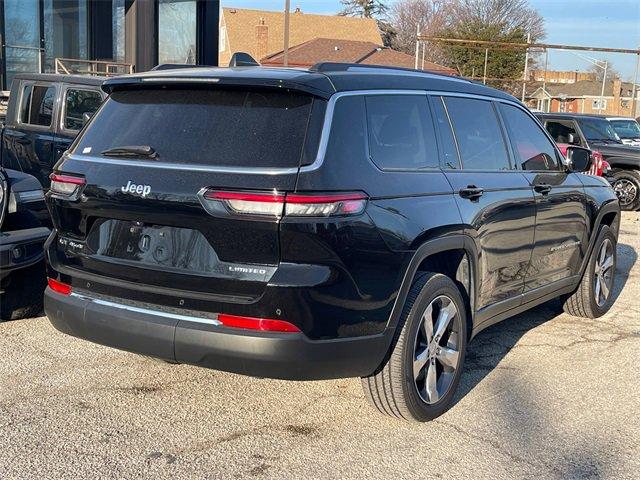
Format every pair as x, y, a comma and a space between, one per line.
544, 395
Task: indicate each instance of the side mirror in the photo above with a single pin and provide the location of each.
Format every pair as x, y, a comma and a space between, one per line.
579, 159
86, 116
573, 139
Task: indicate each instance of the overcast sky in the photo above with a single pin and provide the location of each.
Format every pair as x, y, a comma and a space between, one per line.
599, 23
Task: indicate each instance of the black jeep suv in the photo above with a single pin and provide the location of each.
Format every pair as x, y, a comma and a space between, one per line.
339, 221
597, 133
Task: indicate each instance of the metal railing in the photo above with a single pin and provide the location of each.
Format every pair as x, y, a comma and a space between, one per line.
106, 68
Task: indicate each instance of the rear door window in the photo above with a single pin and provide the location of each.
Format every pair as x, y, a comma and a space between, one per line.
401, 132
478, 134
561, 130
226, 128
450, 159
37, 105
77, 102
533, 150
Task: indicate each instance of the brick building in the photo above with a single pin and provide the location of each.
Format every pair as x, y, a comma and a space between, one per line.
583, 96
560, 76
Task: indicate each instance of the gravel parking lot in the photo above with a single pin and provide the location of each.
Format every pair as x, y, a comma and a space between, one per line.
544, 395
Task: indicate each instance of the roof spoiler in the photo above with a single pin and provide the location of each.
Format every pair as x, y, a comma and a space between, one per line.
242, 59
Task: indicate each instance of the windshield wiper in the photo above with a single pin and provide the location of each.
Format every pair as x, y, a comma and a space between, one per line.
131, 151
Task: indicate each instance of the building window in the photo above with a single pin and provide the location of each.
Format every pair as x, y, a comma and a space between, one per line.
624, 103
22, 40
177, 21
118, 14
65, 31
599, 104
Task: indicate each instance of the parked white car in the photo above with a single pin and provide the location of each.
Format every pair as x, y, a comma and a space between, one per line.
627, 129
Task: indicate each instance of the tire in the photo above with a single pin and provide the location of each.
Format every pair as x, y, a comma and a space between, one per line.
627, 188
23, 295
393, 389
584, 302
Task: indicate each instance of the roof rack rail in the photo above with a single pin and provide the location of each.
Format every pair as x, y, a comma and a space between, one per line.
345, 67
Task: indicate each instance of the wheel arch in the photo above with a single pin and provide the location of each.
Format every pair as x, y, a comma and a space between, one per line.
608, 215
430, 256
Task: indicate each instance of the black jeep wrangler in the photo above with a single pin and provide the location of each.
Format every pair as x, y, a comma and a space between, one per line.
339, 221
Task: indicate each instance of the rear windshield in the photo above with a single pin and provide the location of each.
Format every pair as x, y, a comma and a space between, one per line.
228, 128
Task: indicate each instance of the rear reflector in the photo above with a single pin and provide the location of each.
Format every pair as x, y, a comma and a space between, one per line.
277, 204
59, 287
261, 324
249, 203
311, 205
65, 184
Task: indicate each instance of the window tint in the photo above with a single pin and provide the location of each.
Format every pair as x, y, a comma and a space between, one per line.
401, 133
348, 130
533, 150
77, 103
626, 128
560, 131
213, 127
37, 105
598, 129
449, 150
478, 134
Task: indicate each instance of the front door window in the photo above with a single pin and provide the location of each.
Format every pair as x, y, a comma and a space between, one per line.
177, 31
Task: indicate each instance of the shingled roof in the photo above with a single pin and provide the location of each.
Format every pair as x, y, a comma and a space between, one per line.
238, 30
348, 51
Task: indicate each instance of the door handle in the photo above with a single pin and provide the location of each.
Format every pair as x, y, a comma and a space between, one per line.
543, 188
471, 192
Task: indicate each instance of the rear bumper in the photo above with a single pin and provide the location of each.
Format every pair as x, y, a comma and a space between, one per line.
21, 248
290, 356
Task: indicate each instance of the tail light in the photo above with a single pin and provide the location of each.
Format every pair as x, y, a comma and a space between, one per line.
66, 185
59, 287
260, 324
276, 205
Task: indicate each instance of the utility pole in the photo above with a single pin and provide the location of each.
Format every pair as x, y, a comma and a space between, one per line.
544, 82
417, 45
526, 68
287, 9
604, 80
486, 58
634, 90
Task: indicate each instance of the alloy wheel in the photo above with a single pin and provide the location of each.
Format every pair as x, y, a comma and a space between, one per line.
437, 349
626, 190
603, 274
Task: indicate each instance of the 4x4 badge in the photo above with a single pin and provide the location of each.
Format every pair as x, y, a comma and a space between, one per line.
142, 190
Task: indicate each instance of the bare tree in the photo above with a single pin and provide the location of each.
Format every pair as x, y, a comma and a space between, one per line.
429, 16
376, 9
364, 8
612, 72
505, 15
499, 20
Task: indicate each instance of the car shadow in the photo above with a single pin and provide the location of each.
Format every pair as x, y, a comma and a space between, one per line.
489, 347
